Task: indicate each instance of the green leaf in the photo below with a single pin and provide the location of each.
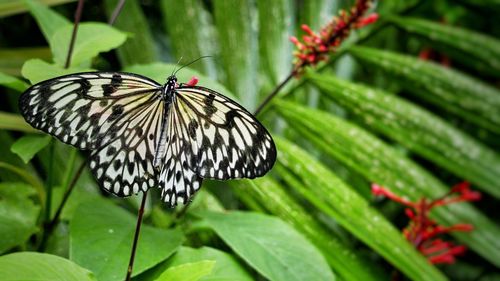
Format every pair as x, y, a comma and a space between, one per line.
226, 266
379, 163
160, 72
327, 192
191, 26
140, 46
101, 238
238, 44
12, 7
18, 215
48, 20
37, 70
264, 243
418, 130
93, 38
12, 82
451, 90
473, 45
12, 60
345, 261
188, 271
15, 122
25, 266
275, 27
27, 146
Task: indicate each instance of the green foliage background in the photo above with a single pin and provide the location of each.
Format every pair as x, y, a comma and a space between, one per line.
376, 113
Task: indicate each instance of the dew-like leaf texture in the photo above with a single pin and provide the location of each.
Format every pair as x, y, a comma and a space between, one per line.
330, 194
455, 92
93, 38
344, 260
379, 163
269, 245
467, 41
27, 146
18, 214
101, 237
24, 266
417, 129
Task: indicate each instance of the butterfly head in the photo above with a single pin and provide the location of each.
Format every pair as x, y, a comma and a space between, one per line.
170, 85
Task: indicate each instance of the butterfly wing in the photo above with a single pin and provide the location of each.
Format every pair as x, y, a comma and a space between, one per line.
216, 138
116, 115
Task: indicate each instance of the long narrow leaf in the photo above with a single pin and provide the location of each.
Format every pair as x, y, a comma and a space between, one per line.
466, 41
417, 129
327, 192
379, 163
451, 90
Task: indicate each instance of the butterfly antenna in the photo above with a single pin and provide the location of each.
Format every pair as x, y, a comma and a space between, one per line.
202, 57
174, 71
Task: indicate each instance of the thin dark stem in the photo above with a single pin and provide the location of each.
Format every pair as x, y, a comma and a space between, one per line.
274, 92
136, 236
68, 191
78, 15
116, 12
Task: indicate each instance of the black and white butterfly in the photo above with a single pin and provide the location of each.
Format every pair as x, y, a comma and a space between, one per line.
142, 134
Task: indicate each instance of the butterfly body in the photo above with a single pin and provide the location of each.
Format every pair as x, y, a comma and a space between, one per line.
142, 134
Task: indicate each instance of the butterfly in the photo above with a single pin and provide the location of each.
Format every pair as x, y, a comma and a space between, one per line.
142, 134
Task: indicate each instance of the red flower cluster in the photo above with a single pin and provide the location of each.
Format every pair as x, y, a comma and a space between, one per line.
316, 47
422, 232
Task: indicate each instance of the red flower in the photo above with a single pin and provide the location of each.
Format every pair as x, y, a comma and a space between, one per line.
315, 47
422, 231
193, 81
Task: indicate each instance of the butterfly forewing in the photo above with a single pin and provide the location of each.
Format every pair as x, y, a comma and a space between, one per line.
116, 115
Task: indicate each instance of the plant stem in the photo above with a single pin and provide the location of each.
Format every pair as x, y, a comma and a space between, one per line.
274, 92
78, 15
116, 12
136, 236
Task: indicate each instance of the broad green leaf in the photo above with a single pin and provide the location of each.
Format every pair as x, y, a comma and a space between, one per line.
140, 46
12, 7
161, 71
345, 261
92, 38
18, 214
15, 122
101, 238
379, 163
451, 90
226, 266
25, 266
12, 60
193, 34
473, 45
48, 20
417, 129
27, 146
328, 193
275, 27
37, 70
12, 82
264, 243
239, 51
188, 272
